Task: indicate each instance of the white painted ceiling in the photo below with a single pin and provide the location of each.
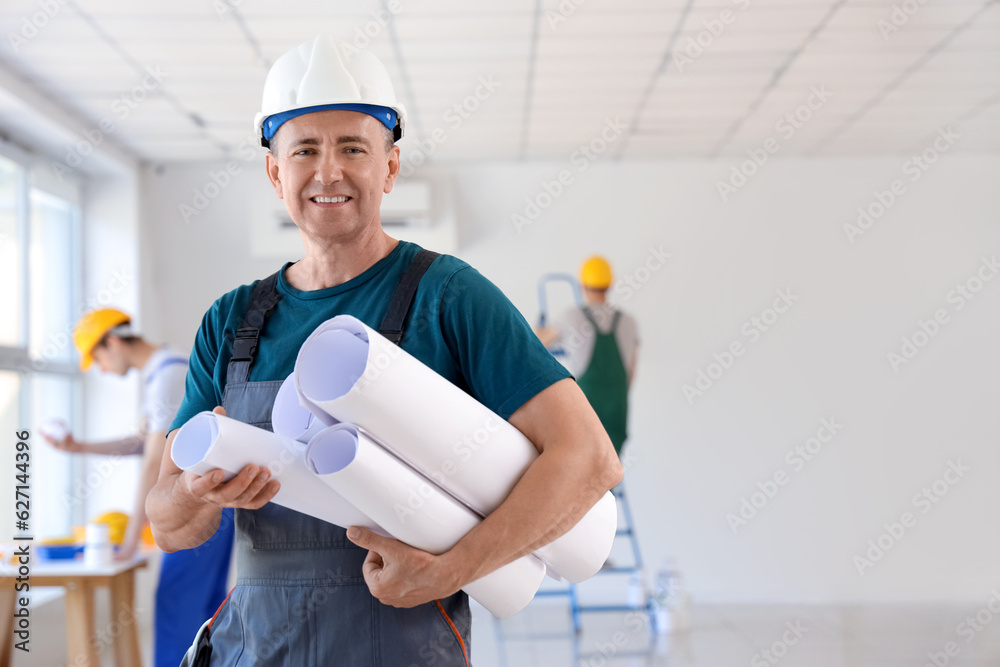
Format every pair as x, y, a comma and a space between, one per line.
563, 73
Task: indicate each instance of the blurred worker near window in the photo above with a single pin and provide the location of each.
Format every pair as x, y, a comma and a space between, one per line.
192, 583
601, 343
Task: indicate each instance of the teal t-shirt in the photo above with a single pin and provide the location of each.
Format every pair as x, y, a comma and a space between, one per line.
460, 324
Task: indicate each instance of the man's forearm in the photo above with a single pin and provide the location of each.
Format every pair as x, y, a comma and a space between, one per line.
133, 444
150, 472
178, 519
552, 496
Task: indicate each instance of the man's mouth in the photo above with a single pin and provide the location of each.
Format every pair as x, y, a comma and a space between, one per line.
330, 200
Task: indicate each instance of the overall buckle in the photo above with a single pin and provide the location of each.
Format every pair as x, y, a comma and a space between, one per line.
245, 344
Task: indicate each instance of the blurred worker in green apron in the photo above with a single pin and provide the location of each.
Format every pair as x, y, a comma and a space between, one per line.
601, 343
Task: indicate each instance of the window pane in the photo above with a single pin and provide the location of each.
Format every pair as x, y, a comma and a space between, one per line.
51, 264
54, 504
10, 422
10, 256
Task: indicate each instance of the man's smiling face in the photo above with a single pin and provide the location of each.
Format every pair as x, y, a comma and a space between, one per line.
331, 168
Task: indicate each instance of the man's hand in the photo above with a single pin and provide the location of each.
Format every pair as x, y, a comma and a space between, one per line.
129, 545
400, 575
249, 490
548, 335
185, 509
67, 444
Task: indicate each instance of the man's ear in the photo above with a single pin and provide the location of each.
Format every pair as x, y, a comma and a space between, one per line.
271, 164
394, 166
113, 343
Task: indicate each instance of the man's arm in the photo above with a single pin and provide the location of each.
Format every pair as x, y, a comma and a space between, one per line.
132, 444
185, 509
152, 453
577, 465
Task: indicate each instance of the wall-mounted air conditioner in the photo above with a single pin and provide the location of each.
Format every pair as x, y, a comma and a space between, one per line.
408, 205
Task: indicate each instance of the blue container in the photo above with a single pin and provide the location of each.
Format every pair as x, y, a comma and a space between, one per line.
59, 551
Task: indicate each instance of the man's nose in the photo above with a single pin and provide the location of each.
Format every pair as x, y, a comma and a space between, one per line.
329, 169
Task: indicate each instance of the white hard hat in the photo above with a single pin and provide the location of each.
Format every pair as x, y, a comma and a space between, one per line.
326, 74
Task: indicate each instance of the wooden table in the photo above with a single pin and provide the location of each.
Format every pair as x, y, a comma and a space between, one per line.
80, 582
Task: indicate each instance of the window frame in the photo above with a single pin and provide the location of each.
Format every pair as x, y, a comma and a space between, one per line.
34, 175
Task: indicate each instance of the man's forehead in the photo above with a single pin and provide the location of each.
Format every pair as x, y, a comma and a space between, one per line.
330, 122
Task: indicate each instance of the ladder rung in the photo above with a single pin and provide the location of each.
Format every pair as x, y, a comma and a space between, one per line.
564, 591
617, 570
554, 635
613, 607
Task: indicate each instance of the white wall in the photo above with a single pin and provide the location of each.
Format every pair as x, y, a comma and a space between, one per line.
693, 461
112, 279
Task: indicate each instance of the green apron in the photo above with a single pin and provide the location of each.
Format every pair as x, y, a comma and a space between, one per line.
605, 382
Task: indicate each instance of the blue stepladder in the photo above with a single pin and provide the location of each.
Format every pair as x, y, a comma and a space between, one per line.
645, 603
543, 302
634, 570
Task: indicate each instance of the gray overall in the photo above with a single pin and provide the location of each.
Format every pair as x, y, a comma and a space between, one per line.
300, 598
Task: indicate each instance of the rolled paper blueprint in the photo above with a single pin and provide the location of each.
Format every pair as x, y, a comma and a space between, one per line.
350, 372
56, 429
289, 418
413, 511
208, 441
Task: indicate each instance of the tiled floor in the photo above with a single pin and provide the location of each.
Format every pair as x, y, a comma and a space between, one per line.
759, 636
719, 636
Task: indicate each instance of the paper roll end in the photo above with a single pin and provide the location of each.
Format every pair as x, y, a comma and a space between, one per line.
332, 449
194, 439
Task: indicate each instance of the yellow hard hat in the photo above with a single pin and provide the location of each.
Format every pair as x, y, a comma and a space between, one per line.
596, 273
91, 328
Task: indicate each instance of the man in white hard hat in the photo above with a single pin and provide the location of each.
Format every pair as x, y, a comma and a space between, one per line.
309, 592
191, 582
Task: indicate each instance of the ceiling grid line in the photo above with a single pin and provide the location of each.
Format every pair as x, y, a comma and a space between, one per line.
529, 88
964, 118
633, 124
258, 53
776, 76
865, 108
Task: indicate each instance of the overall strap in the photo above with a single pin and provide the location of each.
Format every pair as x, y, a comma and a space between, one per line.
263, 300
593, 321
169, 361
394, 323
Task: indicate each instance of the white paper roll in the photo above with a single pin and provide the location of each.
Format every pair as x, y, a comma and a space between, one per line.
290, 419
209, 441
349, 371
414, 511
57, 429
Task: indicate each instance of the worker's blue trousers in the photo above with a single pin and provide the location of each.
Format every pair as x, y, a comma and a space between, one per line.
192, 586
